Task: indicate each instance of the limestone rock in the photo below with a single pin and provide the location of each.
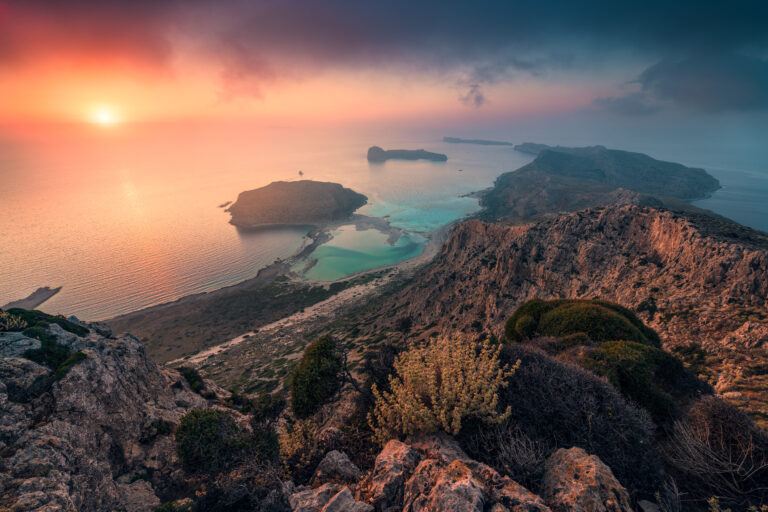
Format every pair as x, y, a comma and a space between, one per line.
344, 502
336, 467
430, 473
76, 442
577, 482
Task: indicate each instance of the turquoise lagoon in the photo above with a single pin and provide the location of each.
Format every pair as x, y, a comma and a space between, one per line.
352, 251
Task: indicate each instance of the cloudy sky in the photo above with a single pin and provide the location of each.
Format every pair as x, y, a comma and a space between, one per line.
396, 59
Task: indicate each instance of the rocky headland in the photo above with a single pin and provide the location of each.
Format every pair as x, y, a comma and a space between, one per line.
379, 155
563, 179
294, 203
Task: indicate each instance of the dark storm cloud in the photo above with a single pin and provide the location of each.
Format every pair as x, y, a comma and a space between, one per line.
633, 104
710, 82
480, 42
705, 82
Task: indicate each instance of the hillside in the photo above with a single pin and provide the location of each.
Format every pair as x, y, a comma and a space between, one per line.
297, 203
563, 179
700, 282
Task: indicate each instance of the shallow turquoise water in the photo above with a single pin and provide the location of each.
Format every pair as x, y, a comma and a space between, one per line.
352, 251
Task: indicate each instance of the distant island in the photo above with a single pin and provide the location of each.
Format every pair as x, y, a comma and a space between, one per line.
480, 142
377, 155
563, 179
294, 203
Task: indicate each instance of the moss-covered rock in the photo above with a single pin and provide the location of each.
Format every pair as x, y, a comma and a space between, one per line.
652, 378
597, 320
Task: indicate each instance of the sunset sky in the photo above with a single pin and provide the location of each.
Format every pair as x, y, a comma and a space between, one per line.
334, 60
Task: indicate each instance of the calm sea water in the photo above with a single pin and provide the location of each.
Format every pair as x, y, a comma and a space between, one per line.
128, 217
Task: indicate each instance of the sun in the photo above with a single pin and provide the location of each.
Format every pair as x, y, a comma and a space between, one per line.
104, 116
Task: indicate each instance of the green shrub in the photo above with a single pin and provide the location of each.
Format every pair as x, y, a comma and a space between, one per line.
598, 320
38, 318
50, 353
650, 377
71, 361
316, 377
209, 441
193, 378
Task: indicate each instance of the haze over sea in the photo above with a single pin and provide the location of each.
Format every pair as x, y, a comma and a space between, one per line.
128, 217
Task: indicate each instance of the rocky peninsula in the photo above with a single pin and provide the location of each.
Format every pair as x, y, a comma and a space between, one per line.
294, 203
379, 155
563, 179
479, 142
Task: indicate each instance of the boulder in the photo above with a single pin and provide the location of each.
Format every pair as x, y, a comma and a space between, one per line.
431, 473
312, 500
336, 467
384, 486
575, 481
343, 501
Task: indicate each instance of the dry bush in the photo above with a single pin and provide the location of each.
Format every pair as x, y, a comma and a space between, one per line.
9, 322
559, 405
301, 449
511, 452
718, 451
438, 386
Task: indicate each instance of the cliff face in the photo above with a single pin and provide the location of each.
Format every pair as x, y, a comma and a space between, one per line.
295, 203
693, 279
568, 179
97, 438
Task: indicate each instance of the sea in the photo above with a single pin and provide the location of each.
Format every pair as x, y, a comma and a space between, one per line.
126, 217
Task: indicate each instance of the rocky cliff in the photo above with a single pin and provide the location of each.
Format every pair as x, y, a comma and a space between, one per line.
563, 179
92, 436
700, 282
297, 203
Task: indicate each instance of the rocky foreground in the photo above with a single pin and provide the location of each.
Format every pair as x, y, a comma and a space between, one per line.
100, 436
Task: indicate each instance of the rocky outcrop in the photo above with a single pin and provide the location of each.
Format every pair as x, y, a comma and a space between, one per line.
379, 155
576, 482
294, 203
433, 473
692, 278
336, 467
93, 438
328, 497
563, 179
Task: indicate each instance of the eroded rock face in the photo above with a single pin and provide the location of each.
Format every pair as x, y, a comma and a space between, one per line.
430, 473
87, 441
577, 482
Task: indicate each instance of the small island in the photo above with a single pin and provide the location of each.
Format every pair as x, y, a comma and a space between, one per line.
479, 142
294, 203
378, 155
